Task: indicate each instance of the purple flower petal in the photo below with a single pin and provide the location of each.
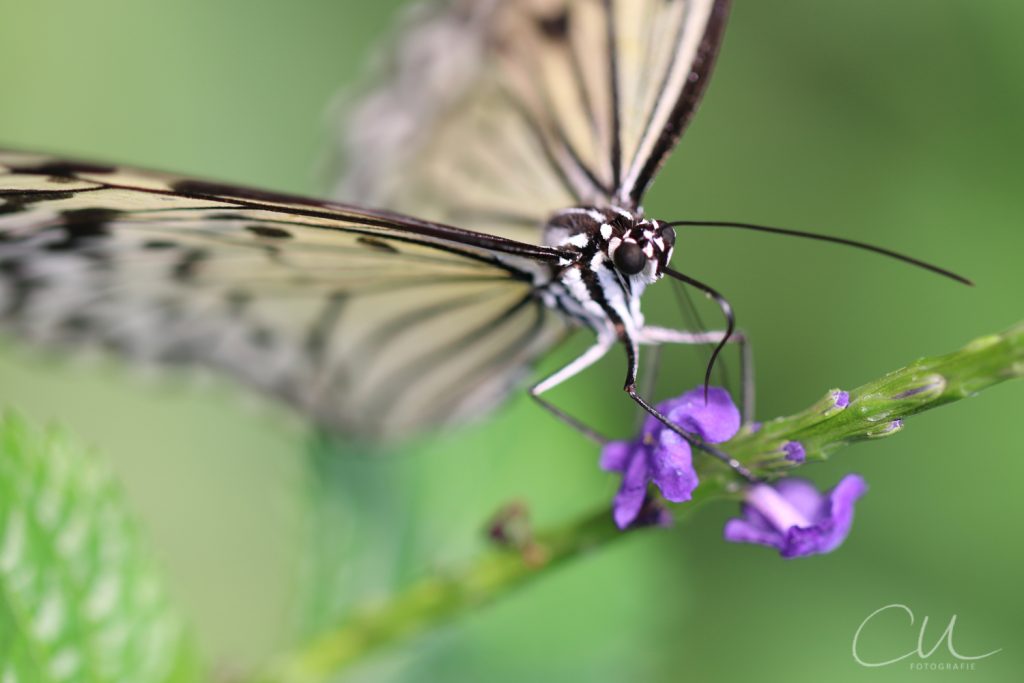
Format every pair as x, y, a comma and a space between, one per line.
794, 451
632, 492
744, 531
615, 456
835, 527
714, 420
841, 399
664, 457
671, 465
794, 517
626, 506
802, 496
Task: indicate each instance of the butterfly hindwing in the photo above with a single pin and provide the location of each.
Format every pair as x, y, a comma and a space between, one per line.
372, 322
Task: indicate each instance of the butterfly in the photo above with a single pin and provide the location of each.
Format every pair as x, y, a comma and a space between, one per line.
510, 146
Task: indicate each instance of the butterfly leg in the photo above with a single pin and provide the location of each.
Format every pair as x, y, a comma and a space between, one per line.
695, 441
661, 335
581, 363
648, 380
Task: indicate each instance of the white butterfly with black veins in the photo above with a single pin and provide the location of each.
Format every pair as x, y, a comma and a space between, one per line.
533, 125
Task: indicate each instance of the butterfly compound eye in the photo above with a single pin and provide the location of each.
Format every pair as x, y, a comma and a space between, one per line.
629, 258
668, 234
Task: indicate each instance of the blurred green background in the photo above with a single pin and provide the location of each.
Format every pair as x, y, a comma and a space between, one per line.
896, 123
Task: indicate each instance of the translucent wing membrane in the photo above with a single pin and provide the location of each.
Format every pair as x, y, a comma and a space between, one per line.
499, 113
372, 322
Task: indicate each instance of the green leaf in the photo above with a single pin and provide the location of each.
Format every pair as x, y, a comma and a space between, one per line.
80, 599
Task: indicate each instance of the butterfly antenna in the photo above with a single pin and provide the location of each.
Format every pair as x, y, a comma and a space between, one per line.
726, 308
828, 238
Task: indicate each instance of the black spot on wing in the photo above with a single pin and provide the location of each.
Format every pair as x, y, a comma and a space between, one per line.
555, 26
63, 169
185, 269
261, 337
266, 231
77, 326
159, 245
21, 286
237, 301
18, 201
88, 220
63, 179
378, 244
81, 227
324, 326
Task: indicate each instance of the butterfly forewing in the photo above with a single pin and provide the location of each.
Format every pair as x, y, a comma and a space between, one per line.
371, 322
498, 114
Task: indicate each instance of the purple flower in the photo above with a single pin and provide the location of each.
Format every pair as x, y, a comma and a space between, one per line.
795, 452
793, 516
840, 399
660, 455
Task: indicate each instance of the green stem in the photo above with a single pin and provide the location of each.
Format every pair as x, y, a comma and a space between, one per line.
437, 599
434, 600
875, 409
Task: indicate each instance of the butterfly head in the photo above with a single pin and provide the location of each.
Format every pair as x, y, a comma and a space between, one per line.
628, 243
638, 247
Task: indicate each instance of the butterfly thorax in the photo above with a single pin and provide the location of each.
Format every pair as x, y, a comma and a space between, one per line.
617, 254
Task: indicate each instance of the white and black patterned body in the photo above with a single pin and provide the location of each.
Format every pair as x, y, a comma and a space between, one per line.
497, 116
